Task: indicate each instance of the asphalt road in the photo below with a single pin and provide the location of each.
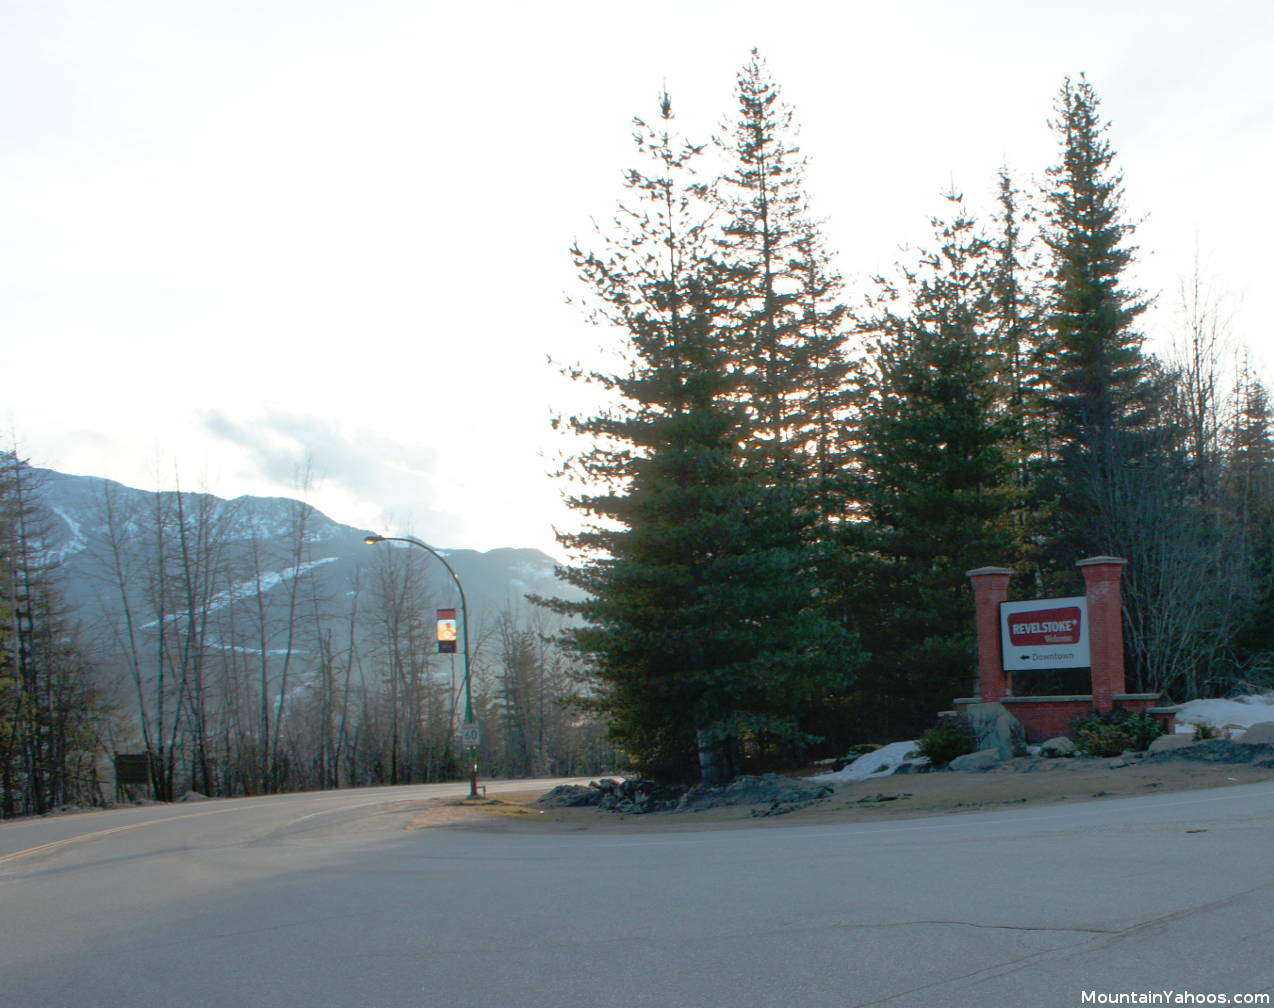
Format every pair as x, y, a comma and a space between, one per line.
325, 900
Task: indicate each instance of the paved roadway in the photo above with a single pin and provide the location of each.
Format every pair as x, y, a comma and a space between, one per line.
325, 900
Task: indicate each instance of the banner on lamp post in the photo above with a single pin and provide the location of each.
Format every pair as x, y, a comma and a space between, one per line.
447, 633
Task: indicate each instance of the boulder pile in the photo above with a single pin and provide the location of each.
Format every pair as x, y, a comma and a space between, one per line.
769, 794
1258, 754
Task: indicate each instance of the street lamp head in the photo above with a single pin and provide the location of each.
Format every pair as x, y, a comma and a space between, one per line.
372, 540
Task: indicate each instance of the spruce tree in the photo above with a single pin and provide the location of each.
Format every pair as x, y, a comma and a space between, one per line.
788, 328
51, 713
702, 621
1098, 384
1016, 298
1247, 497
934, 478
787, 321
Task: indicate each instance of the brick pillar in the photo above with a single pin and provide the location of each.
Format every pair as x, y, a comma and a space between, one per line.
1105, 627
990, 588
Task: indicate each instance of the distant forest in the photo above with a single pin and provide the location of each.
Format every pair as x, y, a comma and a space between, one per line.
788, 488
210, 640
780, 507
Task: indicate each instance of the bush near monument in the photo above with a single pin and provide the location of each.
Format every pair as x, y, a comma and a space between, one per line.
944, 742
1114, 732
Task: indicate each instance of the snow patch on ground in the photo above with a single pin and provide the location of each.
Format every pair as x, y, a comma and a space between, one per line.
880, 763
1240, 713
1228, 716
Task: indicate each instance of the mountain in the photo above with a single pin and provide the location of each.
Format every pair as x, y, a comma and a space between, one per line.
247, 547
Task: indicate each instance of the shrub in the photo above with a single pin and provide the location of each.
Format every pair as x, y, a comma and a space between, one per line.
1097, 739
1144, 730
1204, 731
1109, 734
946, 741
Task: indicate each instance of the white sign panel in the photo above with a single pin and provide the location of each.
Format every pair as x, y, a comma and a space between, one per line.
1044, 634
470, 733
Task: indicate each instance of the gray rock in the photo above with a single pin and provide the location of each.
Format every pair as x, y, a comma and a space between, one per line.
977, 762
995, 728
1259, 754
775, 794
876, 799
1261, 732
751, 790
1164, 743
1059, 746
572, 795
633, 796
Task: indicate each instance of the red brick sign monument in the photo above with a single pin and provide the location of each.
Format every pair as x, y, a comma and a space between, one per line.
1046, 634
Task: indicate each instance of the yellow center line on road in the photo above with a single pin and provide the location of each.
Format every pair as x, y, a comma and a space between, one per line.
103, 833
193, 815
336, 800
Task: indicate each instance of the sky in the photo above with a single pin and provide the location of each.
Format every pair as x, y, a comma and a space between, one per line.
247, 241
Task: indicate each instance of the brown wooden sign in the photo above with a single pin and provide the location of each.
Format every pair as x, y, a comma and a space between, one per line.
132, 768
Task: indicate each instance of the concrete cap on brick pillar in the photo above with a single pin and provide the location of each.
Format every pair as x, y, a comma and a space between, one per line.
988, 570
1103, 561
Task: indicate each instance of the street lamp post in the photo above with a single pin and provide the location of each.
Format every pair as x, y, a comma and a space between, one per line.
372, 540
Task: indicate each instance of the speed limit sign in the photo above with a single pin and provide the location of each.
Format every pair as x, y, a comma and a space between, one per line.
470, 733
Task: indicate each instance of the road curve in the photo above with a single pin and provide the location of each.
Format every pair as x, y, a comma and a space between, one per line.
325, 900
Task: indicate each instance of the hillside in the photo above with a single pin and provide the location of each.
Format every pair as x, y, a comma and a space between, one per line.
253, 539
255, 645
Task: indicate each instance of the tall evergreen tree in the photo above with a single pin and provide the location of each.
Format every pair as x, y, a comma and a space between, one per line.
51, 713
1247, 497
1098, 383
787, 320
787, 327
1016, 299
702, 619
934, 471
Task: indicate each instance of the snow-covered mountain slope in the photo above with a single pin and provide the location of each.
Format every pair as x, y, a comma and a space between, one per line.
101, 533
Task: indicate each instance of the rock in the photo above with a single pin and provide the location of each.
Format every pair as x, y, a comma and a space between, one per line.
978, 762
1057, 747
1259, 754
634, 796
995, 728
1261, 732
571, 795
776, 808
773, 794
193, 796
750, 790
1164, 743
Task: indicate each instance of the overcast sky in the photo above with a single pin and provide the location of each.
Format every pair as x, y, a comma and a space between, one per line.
240, 234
